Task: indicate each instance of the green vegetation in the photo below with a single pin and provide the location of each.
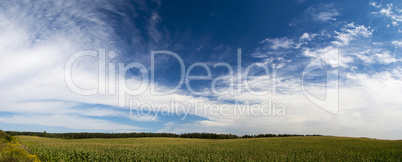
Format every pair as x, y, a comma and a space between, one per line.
312, 148
12, 150
3, 137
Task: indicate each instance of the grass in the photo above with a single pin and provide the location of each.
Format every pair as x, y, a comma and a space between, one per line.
12, 150
180, 149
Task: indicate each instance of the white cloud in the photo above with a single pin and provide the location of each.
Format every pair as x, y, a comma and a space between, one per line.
324, 12
326, 16
376, 56
143, 118
307, 37
152, 27
374, 4
391, 11
34, 49
331, 55
351, 32
277, 43
310, 38
397, 43
386, 58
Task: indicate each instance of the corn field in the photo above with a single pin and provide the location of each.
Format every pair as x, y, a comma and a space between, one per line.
180, 149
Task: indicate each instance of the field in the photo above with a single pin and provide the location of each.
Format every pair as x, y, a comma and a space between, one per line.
181, 149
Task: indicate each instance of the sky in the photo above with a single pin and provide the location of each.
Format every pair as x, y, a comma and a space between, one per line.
240, 67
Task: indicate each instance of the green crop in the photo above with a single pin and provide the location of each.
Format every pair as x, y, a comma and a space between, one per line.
180, 149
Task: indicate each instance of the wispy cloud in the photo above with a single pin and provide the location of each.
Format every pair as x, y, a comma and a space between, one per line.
324, 12
392, 12
397, 43
277, 43
34, 49
376, 56
350, 32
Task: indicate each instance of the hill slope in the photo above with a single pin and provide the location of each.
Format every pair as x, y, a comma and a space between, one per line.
2, 137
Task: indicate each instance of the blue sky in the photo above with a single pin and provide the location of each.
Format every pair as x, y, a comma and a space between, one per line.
351, 47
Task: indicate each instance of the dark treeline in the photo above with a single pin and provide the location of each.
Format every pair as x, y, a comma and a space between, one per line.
143, 134
208, 135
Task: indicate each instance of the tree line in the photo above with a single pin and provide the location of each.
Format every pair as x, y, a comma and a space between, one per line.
84, 135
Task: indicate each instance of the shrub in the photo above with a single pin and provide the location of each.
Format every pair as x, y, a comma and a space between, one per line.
9, 138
